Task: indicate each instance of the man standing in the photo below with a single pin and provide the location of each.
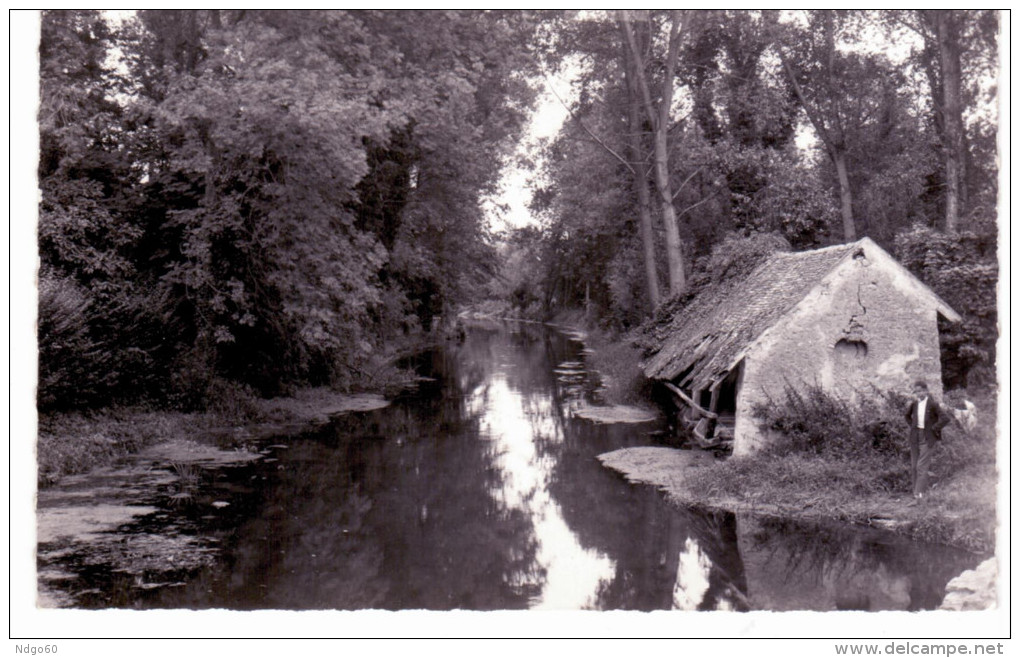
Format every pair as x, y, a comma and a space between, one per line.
926, 425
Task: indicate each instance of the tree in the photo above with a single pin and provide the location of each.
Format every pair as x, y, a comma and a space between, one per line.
948, 31
639, 30
587, 215
639, 171
963, 270
958, 50
96, 318
466, 93
265, 130
292, 190
823, 80
746, 112
610, 95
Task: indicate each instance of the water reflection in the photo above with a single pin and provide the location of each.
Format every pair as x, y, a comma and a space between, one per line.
482, 491
797, 567
692, 573
567, 575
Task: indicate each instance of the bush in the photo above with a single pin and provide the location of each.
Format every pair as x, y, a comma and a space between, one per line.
864, 438
970, 449
75, 442
233, 401
869, 435
191, 375
73, 366
738, 255
820, 423
100, 343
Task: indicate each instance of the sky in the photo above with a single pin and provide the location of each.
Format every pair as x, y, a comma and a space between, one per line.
508, 208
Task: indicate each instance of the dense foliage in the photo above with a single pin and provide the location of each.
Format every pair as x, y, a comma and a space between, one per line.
262, 197
809, 127
819, 423
252, 199
963, 270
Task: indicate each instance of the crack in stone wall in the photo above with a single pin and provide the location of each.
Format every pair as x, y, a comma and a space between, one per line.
854, 330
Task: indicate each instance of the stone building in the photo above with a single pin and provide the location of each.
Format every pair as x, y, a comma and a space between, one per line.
844, 317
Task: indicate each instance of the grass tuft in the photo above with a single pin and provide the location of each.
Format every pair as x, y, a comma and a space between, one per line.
617, 361
71, 443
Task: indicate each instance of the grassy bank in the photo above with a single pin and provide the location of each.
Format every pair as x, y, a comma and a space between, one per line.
866, 485
614, 356
71, 443
959, 512
76, 442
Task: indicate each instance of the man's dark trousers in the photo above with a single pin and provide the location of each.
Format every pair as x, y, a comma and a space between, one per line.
922, 443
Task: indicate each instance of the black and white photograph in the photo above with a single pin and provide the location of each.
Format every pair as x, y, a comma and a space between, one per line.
393, 323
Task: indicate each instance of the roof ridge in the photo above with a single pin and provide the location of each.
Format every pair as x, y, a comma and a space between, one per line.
819, 250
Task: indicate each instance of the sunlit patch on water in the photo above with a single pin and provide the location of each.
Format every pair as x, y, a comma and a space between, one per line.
692, 571
567, 575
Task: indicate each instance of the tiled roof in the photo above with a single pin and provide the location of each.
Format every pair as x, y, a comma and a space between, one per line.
704, 337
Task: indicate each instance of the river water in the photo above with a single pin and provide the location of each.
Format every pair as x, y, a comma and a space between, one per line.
481, 490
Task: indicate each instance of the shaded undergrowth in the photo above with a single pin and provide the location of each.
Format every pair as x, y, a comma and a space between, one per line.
71, 442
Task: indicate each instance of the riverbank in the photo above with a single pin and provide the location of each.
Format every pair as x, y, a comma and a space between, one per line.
102, 471
75, 443
612, 355
960, 513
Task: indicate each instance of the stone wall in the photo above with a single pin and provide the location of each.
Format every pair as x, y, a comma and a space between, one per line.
867, 323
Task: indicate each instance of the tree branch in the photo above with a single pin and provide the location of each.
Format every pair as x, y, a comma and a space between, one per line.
695, 205
687, 180
590, 133
672, 54
916, 29
816, 120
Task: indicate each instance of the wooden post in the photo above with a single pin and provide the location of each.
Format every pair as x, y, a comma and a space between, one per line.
713, 404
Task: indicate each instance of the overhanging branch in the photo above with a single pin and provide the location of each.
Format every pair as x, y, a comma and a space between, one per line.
595, 137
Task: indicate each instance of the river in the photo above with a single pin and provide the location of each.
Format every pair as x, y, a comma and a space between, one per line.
480, 490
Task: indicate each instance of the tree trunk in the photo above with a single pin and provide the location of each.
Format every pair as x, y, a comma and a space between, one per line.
837, 153
647, 237
637, 155
674, 249
659, 116
846, 206
949, 59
